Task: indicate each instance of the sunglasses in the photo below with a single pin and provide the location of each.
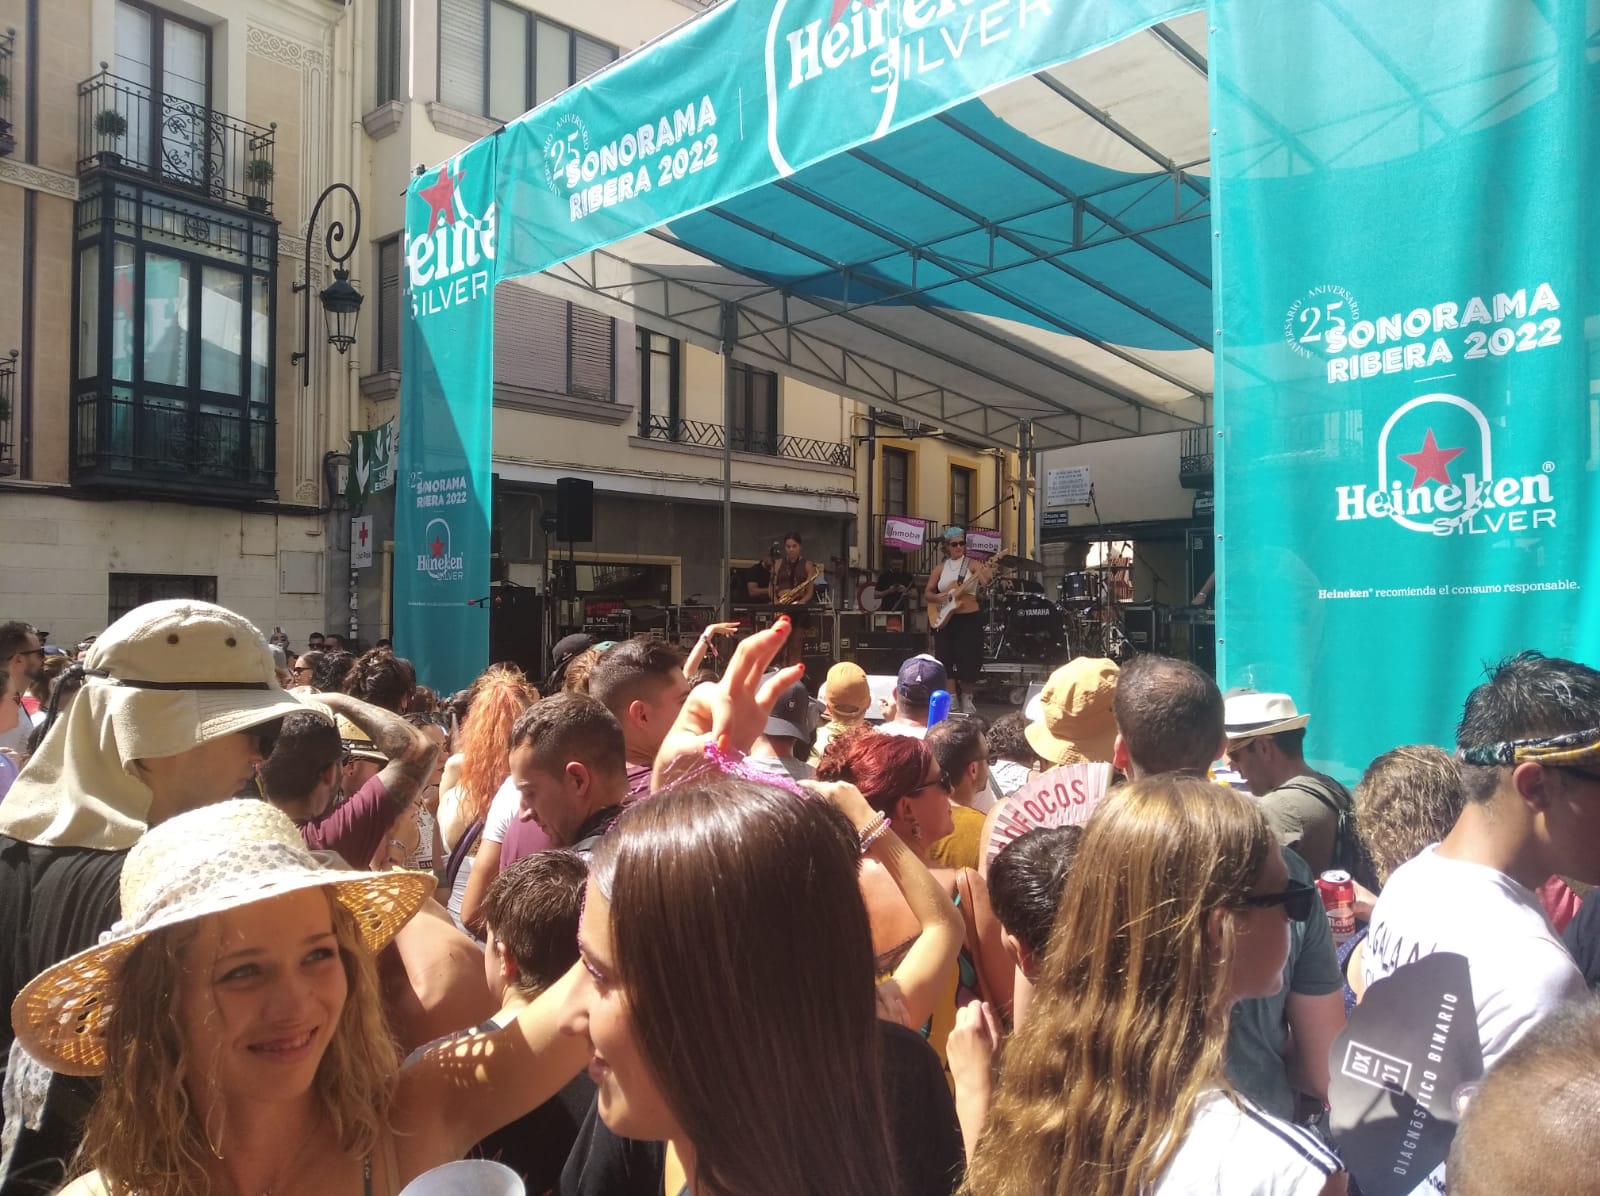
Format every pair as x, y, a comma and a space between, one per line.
958, 543
1298, 900
942, 780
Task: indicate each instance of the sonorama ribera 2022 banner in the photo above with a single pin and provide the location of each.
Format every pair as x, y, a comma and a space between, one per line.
1406, 288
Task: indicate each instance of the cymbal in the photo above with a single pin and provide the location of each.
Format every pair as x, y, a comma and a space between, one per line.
1020, 563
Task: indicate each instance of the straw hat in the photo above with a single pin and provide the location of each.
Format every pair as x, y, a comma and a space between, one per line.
1072, 719
166, 677
1248, 715
357, 743
208, 861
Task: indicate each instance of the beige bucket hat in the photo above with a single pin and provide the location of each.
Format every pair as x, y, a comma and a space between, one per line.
1072, 718
208, 861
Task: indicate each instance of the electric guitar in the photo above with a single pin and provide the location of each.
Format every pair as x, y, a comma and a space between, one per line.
944, 605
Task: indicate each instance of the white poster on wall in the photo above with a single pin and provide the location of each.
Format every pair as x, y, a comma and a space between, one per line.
1067, 487
361, 541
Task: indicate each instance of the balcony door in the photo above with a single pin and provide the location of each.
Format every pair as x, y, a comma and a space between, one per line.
165, 63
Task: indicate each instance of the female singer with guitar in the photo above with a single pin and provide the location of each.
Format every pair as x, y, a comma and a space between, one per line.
952, 601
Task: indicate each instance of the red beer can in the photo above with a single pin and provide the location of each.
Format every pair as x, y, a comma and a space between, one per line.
1338, 890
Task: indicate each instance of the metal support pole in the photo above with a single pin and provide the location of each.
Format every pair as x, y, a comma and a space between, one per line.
1024, 463
730, 337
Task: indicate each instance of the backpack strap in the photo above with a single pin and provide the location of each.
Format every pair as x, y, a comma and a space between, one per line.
1322, 795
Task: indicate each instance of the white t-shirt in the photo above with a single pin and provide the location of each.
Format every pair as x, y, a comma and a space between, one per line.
1240, 1150
1520, 970
502, 810
896, 727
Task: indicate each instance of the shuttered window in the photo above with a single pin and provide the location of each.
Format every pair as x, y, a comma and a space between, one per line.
387, 49
497, 59
755, 409
388, 356
544, 344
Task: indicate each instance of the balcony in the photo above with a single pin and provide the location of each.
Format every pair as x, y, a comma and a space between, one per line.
172, 445
703, 434
8, 414
1195, 459
127, 128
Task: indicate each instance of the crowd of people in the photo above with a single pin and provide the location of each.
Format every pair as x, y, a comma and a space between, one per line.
283, 923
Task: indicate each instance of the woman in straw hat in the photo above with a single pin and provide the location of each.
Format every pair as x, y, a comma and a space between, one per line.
1179, 907
234, 1014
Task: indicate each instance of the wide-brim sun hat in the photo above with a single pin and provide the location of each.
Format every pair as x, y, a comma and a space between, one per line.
209, 861
1248, 715
1072, 718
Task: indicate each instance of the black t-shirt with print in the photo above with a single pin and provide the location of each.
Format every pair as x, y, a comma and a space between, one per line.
922, 1126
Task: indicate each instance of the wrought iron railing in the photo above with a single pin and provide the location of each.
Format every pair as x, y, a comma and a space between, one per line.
705, 434
127, 126
1196, 458
8, 45
8, 413
169, 443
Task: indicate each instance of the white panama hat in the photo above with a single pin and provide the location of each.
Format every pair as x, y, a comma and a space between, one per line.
1250, 714
208, 861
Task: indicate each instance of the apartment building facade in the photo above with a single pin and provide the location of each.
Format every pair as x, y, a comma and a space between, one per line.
159, 164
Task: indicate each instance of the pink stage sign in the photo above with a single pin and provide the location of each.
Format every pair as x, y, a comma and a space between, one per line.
982, 543
900, 532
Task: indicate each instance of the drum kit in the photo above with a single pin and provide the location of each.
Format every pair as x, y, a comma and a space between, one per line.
1083, 620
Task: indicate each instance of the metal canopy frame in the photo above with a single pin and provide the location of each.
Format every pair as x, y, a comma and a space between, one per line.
1045, 378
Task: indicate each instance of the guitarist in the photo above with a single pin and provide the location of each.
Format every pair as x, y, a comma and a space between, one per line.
793, 581
958, 642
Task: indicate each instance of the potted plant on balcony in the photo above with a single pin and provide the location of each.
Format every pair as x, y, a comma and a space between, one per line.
258, 173
110, 126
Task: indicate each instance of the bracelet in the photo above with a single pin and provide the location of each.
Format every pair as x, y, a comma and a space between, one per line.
873, 831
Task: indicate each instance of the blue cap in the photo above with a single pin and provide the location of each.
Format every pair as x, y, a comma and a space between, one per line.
919, 677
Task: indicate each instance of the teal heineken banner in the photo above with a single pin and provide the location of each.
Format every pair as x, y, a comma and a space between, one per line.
442, 501
1406, 287
756, 90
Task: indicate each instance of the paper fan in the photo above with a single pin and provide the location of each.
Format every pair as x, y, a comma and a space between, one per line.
1064, 796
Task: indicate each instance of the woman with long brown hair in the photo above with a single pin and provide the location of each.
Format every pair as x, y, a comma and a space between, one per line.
471, 779
1178, 905
901, 780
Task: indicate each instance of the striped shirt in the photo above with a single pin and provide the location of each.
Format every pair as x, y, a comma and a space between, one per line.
1239, 1149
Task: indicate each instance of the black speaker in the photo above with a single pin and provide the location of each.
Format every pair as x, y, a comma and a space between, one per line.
574, 509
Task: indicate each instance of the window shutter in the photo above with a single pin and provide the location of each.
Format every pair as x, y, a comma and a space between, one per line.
461, 43
593, 344
389, 304
530, 339
590, 55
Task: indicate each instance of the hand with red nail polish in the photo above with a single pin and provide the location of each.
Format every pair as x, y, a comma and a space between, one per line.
732, 711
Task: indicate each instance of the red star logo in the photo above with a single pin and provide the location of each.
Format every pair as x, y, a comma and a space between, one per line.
441, 198
840, 5
437, 546
1431, 463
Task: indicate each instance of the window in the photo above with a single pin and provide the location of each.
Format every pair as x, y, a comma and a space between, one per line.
544, 344
387, 356
755, 409
174, 345
961, 482
387, 45
896, 473
129, 590
659, 369
499, 60
167, 63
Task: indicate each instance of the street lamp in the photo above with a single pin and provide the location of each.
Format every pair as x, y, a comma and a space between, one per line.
341, 302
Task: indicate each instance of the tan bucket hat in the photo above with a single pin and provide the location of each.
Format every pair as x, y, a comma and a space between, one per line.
1072, 718
208, 861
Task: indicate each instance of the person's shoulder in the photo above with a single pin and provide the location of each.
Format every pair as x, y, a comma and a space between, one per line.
86, 1185
1238, 1147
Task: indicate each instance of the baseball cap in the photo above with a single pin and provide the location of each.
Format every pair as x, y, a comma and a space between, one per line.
846, 694
919, 677
793, 715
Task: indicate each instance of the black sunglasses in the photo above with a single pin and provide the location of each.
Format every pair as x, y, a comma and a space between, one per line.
958, 543
942, 780
1298, 900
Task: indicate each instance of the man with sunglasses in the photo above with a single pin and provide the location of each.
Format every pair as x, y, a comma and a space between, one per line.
22, 651
1170, 718
1529, 749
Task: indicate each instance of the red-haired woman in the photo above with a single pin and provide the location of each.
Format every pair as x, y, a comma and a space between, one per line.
900, 779
472, 778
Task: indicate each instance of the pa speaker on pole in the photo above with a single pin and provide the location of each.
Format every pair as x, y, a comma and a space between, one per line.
574, 509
